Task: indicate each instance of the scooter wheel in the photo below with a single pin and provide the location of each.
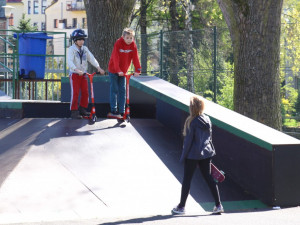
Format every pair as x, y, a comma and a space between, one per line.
93, 120
128, 119
120, 120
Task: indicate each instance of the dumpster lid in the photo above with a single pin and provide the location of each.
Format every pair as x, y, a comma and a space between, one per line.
37, 35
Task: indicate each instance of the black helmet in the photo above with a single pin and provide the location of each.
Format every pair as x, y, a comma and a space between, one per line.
78, 34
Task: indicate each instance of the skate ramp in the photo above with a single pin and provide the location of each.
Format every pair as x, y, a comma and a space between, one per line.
63, 169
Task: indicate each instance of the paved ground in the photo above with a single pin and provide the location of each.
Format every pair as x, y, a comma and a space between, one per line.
62, 171
268, 217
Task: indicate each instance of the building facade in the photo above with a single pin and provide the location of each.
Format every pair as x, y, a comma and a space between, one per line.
66, 14
33, 10
2, 15
49, 15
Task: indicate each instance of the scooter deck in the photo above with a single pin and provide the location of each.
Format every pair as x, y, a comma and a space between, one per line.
112, 116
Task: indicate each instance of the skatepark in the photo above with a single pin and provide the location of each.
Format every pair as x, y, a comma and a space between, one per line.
55, 170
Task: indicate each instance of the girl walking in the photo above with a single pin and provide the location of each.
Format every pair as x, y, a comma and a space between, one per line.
197, 150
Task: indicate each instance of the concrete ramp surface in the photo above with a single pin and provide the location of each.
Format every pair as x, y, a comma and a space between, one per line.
63, 169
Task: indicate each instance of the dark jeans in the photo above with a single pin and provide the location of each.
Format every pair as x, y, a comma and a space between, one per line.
190, 166
117, 92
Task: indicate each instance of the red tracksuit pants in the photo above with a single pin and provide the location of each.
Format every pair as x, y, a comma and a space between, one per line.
79, 84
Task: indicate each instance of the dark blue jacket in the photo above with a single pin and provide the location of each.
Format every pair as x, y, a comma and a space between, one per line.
196, 143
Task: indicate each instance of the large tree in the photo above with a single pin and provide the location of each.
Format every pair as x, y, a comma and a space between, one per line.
255, 32
106, 20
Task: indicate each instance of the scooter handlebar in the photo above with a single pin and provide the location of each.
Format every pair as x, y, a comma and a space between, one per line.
130, 74
91, 74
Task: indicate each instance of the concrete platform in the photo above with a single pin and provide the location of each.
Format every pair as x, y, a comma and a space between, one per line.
63, 171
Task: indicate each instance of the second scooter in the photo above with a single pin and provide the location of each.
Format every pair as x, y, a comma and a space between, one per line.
92, 117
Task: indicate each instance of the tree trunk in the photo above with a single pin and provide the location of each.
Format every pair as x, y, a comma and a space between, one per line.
144, 44
106, 20
255, 32
173, 40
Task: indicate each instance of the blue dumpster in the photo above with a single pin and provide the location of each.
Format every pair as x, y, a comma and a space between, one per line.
31, 44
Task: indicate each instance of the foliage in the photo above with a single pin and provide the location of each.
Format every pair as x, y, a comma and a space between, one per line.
297, 105
25, 25
227, 83
291, 123
290, 60
288, 99
290, 38
205, 13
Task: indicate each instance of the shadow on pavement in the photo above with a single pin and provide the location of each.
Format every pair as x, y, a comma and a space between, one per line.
149, 219
168, 146
18, 136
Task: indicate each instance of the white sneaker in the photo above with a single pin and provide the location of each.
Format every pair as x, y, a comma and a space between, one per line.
218, 209
115, 115
178, 210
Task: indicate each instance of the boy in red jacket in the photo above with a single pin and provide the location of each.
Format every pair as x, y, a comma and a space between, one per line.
124, 52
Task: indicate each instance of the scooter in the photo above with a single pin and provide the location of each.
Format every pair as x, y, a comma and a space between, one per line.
92, 117
126, 116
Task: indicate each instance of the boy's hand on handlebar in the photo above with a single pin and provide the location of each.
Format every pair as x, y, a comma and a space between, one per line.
136, 74
101, 71
121, 74
79, 72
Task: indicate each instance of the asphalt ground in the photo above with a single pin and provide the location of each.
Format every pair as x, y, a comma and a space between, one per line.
63, 171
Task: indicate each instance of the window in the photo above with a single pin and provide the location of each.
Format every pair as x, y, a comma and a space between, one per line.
43, 27
36, 7
44, 5
74, 22
35, 25
69, 6
11, 20
83, 23
55, 23
29, 7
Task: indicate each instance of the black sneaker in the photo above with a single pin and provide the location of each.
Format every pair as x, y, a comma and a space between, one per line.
83, 112
75, 114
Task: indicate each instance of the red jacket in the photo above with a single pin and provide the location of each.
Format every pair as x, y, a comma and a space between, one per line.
121, 57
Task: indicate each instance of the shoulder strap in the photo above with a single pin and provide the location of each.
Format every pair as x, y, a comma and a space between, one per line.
210, 141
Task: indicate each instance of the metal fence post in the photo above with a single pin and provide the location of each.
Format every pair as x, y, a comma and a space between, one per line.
215, 63
161, 54
65, 56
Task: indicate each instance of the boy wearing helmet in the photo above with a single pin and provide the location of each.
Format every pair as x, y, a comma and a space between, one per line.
78, 58
124, 52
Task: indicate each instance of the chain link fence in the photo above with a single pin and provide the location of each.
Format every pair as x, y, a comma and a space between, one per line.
206, 55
